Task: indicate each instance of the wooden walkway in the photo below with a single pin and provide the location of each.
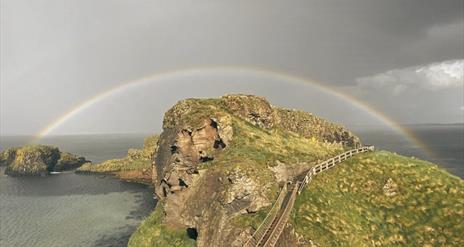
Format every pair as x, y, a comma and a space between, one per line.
269, 231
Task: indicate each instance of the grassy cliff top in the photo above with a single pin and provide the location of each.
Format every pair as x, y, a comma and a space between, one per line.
259, 112
382, 199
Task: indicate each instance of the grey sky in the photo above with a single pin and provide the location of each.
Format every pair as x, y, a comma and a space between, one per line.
55, 54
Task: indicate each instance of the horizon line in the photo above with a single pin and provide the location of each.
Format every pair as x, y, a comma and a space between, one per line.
155, 132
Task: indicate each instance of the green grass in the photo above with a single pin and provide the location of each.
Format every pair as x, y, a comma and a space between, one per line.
266, 147
349, 206
153, 233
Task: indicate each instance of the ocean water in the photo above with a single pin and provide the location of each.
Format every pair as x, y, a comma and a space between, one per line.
89, 210
69, 209
445, 144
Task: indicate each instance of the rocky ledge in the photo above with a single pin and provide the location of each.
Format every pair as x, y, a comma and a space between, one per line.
38, 160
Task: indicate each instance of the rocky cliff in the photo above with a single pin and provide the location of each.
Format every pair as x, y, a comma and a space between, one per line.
220, 163
38, 160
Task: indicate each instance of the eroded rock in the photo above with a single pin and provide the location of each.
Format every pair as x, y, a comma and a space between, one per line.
182, 148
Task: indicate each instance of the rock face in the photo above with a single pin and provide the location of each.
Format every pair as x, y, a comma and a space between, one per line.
253, 109
308, 125
69, 161
204, 181
38, 160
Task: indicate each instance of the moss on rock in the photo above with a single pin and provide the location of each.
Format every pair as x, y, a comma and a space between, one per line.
153, 233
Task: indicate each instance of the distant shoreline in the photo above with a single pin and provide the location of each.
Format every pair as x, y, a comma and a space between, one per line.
149, 133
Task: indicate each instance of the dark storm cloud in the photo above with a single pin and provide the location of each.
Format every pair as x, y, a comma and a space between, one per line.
54, 54
411, 18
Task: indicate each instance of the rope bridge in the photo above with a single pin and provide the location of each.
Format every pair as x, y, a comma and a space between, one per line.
272, 226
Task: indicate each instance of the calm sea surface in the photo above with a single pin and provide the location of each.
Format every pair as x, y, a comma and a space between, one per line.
69, 209
445, 142
86, 210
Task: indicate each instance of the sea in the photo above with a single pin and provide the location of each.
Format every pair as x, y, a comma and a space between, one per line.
68, 209
442, 144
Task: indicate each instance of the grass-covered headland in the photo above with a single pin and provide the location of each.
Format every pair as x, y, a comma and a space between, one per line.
136, 166
382, 199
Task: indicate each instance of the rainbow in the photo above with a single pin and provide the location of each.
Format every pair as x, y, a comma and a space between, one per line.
266, 73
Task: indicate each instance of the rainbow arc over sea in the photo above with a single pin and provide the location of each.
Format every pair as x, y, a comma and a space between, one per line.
192, 72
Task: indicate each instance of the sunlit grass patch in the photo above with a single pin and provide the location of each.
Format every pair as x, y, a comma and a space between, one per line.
153, 233
382, 199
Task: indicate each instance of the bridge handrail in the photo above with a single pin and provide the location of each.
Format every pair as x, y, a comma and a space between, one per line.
258, 235
270, 217
274, 236
330, 163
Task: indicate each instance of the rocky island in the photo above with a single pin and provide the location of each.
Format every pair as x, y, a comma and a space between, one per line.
38, 160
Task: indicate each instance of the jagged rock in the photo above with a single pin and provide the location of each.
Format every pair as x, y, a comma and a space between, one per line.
182, 147
246, 190
310, 126
69, 161
253, 109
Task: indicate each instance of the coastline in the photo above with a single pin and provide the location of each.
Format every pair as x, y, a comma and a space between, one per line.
122, 175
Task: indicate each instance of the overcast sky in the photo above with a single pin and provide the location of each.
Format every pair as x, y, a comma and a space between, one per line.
404, 58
